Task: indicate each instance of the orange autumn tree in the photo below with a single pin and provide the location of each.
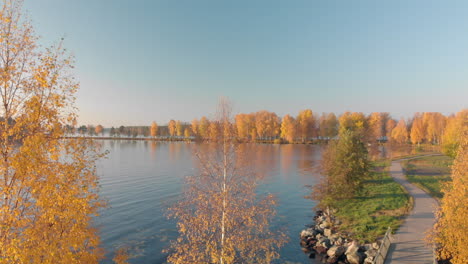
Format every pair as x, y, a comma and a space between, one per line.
452, 133
400, 132
418, 130
99, 130
305, 124
221, 218
154, 129
48, 186
450, 232
171, 126
288, 128
179, 128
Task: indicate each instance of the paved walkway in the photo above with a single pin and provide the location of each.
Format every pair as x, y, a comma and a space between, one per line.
408, 245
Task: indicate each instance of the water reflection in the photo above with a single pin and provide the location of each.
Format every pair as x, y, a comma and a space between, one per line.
141, 179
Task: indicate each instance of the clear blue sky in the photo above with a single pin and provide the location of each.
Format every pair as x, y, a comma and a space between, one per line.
140, 61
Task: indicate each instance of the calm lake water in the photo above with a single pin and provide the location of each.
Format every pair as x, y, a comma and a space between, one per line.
142, 179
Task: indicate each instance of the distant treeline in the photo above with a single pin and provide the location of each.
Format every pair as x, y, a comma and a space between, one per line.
428, 127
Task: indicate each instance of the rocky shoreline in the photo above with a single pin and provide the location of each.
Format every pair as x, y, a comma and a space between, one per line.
321, 241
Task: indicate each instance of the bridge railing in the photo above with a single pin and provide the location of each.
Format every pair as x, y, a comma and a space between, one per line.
383, 249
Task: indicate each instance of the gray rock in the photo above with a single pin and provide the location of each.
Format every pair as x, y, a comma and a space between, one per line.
369, 260
325, 242
376, 245
307, 233
354, 258
371, 253
353, 247
336, 251
339, 241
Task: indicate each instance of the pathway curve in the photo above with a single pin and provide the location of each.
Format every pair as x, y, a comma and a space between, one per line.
408, 242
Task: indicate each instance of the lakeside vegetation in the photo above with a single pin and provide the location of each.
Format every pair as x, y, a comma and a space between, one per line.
451, 228
379, 204
429, 173
50, 187
307, 127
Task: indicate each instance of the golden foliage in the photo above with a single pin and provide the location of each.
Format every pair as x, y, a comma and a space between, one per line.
452, 134
179, 129
121, 256
328, 126
48, 186
172, 127
154, 129
288, 128
99, 129
305, 124
221, 219
450, 232
354, 121
400, 132
417, 130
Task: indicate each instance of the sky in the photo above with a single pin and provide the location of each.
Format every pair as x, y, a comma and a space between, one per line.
142, 61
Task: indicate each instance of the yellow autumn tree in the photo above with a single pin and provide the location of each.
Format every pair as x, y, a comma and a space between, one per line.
328, 126
400, 132
48, 186
187, 132
288, 128
389, 126
194, 127
172, 127
179, 128
99, 130
305, 124
221, 218
356, 122
213, 130
267, 124
417, 130
377, 125
452, 133
450, 232
154, 129
203, 127
435, 124
244, 124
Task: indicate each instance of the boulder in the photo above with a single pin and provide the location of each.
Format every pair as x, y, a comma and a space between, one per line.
336, 251
369, 260
311, 242
307, 233
352, 248
325, 224
327, 232
354, 258
339, 241
371, 253
320, 249
376, 245
325, 242
332, 260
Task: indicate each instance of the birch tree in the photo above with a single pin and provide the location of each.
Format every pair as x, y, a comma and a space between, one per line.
154, 129
450, 231
221, 219
48, 186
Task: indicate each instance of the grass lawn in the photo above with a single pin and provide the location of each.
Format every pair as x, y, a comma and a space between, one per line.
429, 173
381, 203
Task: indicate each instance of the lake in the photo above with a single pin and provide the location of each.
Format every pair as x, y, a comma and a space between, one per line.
141, 179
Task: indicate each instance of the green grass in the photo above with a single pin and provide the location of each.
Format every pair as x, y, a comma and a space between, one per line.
381, 203
429, 173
